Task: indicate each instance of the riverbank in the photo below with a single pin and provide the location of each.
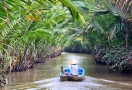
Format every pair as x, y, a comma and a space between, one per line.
28, 61
116, 57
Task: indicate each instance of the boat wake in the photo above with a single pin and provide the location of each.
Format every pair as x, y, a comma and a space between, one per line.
89, 83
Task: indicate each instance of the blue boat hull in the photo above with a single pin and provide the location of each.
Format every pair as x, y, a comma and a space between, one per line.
66, 76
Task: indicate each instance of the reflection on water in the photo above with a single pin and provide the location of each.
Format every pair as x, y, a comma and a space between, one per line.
46, 76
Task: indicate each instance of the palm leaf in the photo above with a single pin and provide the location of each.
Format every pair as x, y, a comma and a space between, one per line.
122, 8
39, 33
74, 11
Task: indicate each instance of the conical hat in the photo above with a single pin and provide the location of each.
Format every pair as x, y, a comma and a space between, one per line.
72, 61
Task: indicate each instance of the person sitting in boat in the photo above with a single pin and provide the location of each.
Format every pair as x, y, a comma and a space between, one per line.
73, 67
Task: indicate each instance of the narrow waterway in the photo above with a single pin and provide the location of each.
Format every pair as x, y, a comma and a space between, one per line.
45, 76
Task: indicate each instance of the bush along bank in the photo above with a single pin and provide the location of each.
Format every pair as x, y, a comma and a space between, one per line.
115, 56
28, 61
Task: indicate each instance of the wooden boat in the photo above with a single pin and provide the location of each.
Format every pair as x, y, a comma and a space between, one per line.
66, 76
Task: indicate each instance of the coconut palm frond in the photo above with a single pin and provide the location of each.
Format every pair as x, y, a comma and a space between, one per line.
98, 26
122, 8
74, 11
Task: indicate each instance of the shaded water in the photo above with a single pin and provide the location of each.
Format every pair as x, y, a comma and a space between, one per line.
45, 76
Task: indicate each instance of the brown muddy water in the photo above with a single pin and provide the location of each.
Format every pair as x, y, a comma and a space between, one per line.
45, 76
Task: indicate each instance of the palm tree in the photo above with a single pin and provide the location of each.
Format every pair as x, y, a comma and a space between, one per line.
122, 9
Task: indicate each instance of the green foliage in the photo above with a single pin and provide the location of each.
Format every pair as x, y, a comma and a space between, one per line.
123, 65
34, 27
74, 11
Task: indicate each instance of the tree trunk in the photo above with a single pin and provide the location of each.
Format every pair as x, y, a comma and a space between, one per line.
126, 37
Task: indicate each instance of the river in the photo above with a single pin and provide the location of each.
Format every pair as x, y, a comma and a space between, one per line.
45, 76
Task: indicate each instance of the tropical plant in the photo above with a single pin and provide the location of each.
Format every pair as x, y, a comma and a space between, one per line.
108, 23
32, 28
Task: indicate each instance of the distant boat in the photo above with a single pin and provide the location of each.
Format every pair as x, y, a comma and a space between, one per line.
66, 76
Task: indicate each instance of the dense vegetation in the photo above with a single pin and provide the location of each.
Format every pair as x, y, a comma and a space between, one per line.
107, 34
33, 30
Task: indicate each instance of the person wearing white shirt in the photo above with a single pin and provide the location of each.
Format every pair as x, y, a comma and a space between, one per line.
73, 67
